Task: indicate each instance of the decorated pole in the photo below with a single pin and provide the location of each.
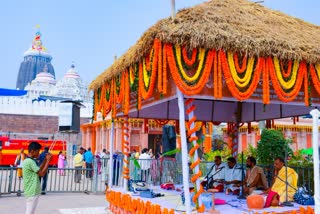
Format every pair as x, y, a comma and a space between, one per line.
184, 151
126, 152
195, 160
315, 143
184, 148
111, 153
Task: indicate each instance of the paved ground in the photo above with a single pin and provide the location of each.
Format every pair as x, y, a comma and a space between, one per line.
57, 203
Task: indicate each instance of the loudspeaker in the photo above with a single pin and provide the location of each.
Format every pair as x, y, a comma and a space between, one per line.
168, 139
69, 116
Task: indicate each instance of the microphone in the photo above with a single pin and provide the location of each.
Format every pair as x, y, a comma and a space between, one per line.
286, 182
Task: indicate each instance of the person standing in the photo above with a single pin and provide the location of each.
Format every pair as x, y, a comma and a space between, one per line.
145, 163
31, 173
18, 162
44, 178
78, 162
105, 157
88, 158
61, 163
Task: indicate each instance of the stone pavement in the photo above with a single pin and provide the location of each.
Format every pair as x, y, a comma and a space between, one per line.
57, 203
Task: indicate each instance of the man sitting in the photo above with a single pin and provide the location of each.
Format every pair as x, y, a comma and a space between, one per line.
233, 177
255, 177
216, 175
278, 189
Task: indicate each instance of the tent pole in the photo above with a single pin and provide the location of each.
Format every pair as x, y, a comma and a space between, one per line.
111, 153
315, 136
195, 156
184, 151
126, 152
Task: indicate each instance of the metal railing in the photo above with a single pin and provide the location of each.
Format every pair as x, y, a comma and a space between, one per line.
58, 180
152, 171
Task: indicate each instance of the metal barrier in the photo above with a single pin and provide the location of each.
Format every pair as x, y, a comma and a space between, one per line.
58, 180
152, 171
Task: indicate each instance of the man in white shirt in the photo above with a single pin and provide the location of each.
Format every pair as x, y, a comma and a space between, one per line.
216, 175
233, 177
145, 163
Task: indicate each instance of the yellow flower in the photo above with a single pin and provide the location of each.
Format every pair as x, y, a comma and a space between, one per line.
200, 66
240, 82
290, 83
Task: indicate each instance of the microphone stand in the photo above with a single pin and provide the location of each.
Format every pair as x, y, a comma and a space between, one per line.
211, 177
286, 203
207, 177
242, 195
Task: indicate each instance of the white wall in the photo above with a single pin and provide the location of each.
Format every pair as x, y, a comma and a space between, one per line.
25, 106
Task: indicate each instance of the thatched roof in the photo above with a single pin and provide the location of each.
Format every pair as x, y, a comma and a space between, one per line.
237, 25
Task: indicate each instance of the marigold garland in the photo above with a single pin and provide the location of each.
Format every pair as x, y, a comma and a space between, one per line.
178, 79
181, 68
240, 70
232, 85
126, 97
160, 71
286, 96
286, 73
125, 148
265, 84
190, 107
146, 85
189, 62
215, 76
219, 76
124, 203
315, 77
240, 82
241, 76
291, 82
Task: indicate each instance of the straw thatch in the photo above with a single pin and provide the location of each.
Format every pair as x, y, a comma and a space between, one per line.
237, 25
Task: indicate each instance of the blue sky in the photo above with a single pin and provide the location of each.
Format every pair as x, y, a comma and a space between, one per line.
90, 33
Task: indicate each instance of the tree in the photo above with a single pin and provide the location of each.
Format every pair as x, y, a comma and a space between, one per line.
272, 145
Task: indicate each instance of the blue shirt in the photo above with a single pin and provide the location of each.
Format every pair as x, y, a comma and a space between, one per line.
42, 157
88, 157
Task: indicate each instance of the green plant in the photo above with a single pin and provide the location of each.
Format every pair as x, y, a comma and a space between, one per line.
272, 145
251, 151
224, 153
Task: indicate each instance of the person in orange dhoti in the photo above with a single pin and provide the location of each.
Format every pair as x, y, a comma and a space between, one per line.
278, 189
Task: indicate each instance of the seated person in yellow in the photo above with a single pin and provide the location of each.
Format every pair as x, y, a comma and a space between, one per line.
255, 178
278, 189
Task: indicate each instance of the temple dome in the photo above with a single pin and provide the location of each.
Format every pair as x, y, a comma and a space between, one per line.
44, 77
72, 73
71, 86
42, 84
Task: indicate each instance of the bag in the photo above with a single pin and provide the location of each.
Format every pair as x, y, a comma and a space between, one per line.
136, 185
302, 197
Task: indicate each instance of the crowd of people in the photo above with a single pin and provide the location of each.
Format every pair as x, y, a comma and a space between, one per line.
231, 178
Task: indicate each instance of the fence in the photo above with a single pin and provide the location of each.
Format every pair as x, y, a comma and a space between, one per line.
93, 180
58, 180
